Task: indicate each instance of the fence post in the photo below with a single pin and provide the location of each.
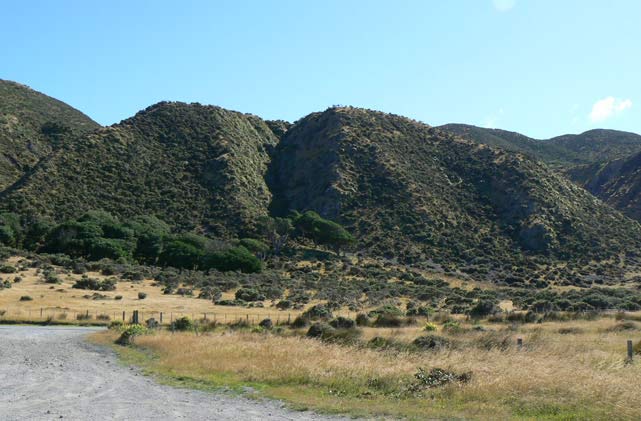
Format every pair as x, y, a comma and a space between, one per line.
519, 343
289, 318
630, 350
123, 316
41, 312
161, 317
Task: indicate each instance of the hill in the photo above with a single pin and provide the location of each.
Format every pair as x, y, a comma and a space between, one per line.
416, 193
30, 124
196, 167
616, 182
562, 152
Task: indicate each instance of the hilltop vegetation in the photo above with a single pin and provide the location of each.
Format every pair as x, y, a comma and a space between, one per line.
30, 127
346, 180
414, 193
196, 167
562, 152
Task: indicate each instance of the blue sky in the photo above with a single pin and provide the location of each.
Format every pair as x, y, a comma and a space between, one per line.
539, 67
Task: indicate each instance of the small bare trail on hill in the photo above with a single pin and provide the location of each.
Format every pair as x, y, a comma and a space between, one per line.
51, 373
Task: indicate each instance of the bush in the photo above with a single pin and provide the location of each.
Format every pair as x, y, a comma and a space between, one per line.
129, 333
26, 298
249, 294
483, 308
103, 317
452, 327
342, 323
319, 311
430, 327
432, 342
362, 319
93, 284
7, 269
388, 320
182, 324
437, 377
266, 324
300, 322
142, 295
319, 330
284, 304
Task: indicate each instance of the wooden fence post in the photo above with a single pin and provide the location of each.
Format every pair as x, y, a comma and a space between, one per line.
519, 343
161, 317
630, 350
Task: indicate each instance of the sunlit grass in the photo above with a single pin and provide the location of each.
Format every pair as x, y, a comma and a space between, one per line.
555, 376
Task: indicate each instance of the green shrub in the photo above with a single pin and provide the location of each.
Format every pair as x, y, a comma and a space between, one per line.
430, 327
319, 311
182, 324
129, 333
26, 298
342, 323
142, 295
7, 269
249, 294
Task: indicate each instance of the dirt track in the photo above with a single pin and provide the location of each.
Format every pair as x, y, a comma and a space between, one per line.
49, 373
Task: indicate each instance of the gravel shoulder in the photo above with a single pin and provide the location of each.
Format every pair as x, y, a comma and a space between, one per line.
49, 373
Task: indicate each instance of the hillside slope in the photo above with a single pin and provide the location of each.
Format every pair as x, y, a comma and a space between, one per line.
616, 182
30, 123
563, 152
413, 192
197, 167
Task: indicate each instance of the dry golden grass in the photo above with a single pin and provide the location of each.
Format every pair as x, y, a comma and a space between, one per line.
62, 302
555, 376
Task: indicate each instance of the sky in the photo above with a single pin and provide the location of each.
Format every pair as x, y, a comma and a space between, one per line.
539, 67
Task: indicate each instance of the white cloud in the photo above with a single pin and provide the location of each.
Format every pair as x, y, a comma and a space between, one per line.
503, 5
608, 107
492, 120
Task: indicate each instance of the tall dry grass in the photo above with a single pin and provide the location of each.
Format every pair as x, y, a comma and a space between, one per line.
556, 376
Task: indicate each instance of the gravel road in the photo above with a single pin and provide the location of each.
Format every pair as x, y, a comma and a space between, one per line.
51, 373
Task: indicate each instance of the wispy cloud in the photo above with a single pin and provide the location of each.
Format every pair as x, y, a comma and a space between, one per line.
492, 120
503, 5
608, 107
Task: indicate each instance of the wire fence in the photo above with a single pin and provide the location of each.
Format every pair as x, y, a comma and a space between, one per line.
66, 316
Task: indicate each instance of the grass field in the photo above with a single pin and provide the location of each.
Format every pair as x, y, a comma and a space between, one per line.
571, 370
62, 303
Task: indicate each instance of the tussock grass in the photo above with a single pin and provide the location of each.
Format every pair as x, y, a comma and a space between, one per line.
555, 376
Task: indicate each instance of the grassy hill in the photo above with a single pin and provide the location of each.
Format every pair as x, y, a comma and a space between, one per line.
30, 124
561, 152
416, 193
196, 167
408, 192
